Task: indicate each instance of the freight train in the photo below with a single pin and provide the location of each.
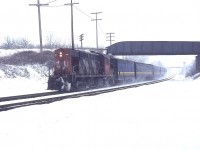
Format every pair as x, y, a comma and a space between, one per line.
76, 69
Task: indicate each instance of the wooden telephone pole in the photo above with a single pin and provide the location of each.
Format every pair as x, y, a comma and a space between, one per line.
39, 20
110, 37
96, 19
72, 22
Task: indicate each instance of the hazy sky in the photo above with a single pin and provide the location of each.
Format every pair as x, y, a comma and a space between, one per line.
128, 19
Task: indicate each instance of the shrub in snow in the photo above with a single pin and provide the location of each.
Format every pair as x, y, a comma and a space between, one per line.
28, 57
26, 64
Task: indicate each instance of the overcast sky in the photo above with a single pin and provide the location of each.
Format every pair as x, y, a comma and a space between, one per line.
129, 19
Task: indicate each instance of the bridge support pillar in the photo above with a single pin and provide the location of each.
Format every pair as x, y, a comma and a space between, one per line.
198, 63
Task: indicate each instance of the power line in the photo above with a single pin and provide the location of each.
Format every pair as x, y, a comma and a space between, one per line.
51, 1
72, 30
92, 19
56, 6
101, 29
83, 12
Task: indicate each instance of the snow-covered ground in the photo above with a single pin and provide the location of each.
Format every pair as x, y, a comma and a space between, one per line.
161, 116
20, 86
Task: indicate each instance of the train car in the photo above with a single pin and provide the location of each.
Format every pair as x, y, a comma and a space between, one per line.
162, 71
159, 72
144, 72
131, 71
124, 70
75, 69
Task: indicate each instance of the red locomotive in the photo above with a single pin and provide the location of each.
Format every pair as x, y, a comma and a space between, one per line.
74, 69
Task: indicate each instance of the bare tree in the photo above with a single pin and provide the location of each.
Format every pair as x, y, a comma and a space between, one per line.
51, 42
8, 43
23, 43
16, 43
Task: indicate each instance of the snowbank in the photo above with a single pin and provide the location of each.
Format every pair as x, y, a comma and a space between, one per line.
20, 74
16, 80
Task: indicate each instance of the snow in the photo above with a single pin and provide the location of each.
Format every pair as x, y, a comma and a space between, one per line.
19, 86
23, 80
160, 116
5, 52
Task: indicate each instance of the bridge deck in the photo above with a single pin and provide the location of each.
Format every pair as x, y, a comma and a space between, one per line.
155, 48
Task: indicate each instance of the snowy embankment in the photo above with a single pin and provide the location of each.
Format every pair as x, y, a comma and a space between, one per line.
26, 79
161, 116
23, 71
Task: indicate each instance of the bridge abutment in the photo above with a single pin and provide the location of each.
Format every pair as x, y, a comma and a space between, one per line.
198, 63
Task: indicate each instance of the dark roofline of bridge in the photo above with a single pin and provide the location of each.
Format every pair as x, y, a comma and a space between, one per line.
155, 48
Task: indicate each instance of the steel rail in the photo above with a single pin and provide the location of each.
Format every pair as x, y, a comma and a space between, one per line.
59, 97
26, 96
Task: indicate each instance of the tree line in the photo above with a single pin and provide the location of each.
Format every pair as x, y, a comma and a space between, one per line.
19, 43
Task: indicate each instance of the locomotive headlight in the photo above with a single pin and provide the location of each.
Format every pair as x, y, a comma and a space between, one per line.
60, 54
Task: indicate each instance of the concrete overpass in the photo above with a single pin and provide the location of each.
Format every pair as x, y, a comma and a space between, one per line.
157, 48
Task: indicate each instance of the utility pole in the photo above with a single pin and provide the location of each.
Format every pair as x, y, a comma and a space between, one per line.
39, 20
72, 22
96, 13
81, 39
110, 37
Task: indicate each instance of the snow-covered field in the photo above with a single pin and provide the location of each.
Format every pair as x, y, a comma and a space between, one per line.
161, 116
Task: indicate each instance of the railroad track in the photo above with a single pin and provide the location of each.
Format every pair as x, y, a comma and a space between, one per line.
17, 97
8, 103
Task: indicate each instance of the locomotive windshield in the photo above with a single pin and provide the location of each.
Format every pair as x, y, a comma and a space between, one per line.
61, 62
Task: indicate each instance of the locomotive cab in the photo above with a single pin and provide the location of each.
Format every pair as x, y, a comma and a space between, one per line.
62, 62
61, 78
